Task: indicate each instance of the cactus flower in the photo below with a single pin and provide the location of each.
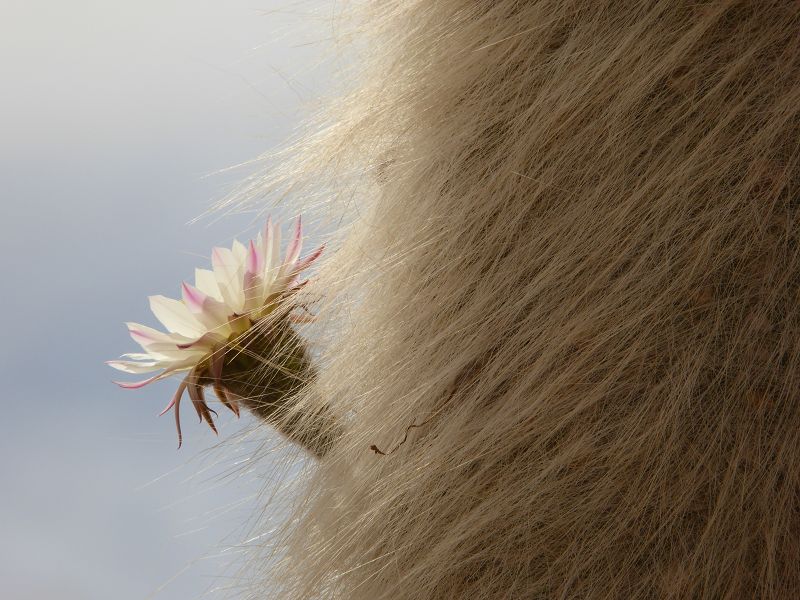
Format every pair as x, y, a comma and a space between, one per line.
246, 285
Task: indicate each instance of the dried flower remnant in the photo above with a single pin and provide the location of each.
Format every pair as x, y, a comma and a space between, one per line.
240, 305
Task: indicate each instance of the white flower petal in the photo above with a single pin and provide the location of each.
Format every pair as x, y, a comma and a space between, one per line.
255, 259
281, 279
147, 336
137, 356
239, 251
176, 316
273, 259
174, 368
206, 282
266, 245
172, 353
253, 292
129, 366
212, 314
205, 344
229, 272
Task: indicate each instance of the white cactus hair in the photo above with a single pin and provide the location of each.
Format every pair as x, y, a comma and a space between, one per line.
575, 268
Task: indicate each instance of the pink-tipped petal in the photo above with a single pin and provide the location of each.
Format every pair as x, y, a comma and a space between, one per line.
251, 283
141, 337
193, 298
255, 260
135, 385
175, 366
266, 240
175, 316
209, 312
308, 260
147, 336
270, 251
293, 251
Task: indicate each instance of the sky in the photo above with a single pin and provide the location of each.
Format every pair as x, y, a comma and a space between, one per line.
118, 122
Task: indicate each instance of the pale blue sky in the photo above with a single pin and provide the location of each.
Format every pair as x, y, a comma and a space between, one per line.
114, 118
